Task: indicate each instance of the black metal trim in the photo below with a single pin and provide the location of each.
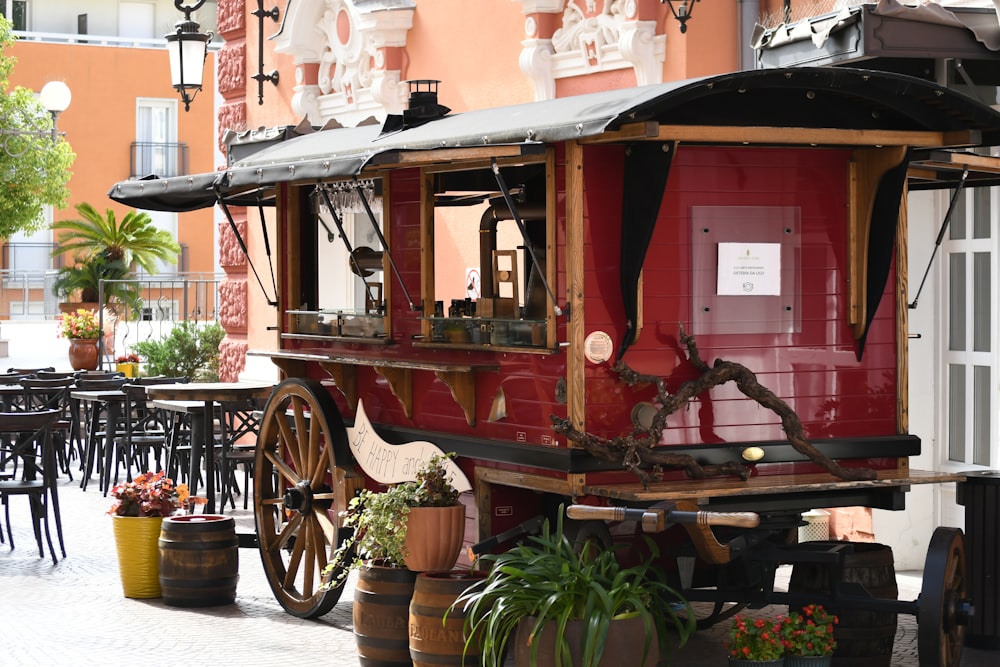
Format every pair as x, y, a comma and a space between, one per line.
576, 461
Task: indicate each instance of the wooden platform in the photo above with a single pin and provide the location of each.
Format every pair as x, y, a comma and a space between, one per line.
398, 373
760, 493
703, 489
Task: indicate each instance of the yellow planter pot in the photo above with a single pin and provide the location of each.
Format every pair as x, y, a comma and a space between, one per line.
129, 370
137, 543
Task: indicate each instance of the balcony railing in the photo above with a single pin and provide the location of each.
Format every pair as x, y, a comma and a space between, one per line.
165, 297
158, 159
26, 261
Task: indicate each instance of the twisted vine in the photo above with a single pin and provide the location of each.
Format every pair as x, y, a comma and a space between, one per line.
637, 450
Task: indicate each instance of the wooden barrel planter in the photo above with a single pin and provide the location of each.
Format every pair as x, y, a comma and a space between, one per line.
433, 640
381, 609
199, 560
864, 638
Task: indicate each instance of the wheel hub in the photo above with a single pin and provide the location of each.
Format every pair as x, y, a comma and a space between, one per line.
298, 498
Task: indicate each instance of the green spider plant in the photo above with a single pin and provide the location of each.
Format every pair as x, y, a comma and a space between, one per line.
551, 581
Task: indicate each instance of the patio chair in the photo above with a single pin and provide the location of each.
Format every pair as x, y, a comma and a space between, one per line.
27, 437
53, 394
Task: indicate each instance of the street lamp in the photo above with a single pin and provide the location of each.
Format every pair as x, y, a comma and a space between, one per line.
187, 48
55, 96
682, 13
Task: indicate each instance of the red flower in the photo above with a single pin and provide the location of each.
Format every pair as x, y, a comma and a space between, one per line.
809, 633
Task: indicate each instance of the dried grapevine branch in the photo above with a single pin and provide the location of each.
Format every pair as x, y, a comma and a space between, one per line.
637, 453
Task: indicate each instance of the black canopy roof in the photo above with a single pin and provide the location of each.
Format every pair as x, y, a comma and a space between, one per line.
801, 97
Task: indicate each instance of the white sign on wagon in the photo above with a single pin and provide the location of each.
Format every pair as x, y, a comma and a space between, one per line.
749, 269
387, 463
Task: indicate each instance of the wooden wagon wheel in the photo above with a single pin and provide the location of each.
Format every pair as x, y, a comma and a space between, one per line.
300, 486
943, 604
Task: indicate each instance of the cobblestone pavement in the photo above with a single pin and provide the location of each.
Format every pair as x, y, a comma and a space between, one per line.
74, 612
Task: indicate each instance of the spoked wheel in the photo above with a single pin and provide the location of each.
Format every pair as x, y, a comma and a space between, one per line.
298, 492
943, 604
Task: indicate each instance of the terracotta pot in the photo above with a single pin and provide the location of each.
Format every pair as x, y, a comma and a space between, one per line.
83, 354
434, 537
73, 306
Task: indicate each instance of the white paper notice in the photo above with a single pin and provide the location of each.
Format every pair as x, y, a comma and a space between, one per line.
749, 269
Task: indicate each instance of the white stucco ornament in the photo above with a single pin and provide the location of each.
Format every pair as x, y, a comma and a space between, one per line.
346, 40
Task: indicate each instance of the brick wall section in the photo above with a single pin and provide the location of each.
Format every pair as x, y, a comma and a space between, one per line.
232, 65
232, 359
231, 257
233, 301
232, 74
232, 18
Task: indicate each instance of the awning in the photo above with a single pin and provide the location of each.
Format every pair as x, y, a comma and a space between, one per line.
803, 97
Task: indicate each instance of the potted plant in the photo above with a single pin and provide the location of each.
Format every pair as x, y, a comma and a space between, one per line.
83, 331
133, 240
79, 285
755, 642
391, 526
137, 509
109, 249
190, 350
393, 539
567, 604
128, 365
807, 637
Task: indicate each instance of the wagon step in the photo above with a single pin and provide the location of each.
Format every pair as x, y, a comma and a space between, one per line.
658, 517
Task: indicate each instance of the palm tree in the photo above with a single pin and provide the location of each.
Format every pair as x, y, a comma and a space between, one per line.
135, 240
84, 279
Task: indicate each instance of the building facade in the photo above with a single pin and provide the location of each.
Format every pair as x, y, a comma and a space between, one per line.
124, 121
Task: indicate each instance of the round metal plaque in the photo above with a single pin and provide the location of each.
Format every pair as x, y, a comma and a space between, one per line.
598, 347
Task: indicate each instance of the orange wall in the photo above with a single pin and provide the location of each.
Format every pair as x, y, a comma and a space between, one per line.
710, 45
100, 123
473, 49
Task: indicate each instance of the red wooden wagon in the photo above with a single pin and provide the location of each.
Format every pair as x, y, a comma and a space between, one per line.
517, 284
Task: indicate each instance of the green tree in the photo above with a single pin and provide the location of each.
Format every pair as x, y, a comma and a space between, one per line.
134, 240
33, 171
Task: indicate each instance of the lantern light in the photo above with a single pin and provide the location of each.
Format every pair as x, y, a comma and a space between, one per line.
682, 13
187, 49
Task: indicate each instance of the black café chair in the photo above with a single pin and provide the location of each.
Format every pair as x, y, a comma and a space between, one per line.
96, 425
240, 424
27, 437
11, 391
144, 438
31, 371
54, 394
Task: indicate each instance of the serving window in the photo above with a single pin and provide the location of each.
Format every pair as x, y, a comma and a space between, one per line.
486, 275
343, 290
